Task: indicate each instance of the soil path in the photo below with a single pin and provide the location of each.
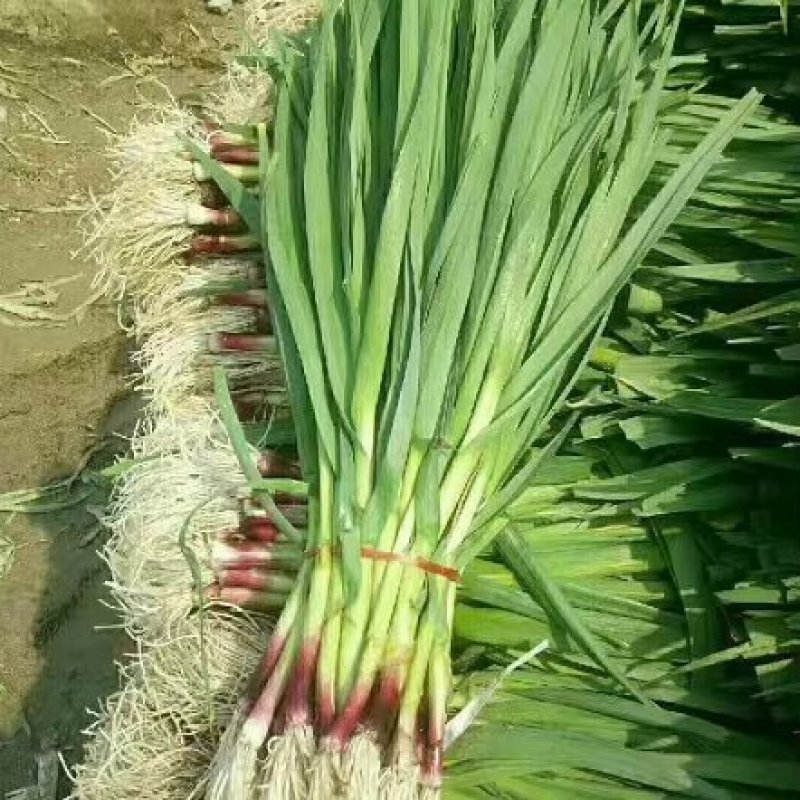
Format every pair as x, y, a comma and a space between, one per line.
67, 79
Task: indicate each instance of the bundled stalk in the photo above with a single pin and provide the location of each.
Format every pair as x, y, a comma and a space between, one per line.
747, 207
641, 544
698, 423
168, 242
694, 417
444, 214
184, 539
718, 375
166, 207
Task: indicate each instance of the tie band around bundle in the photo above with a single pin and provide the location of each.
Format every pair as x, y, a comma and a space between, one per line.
384, 556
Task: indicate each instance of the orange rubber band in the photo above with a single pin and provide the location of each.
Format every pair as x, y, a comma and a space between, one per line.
371, 554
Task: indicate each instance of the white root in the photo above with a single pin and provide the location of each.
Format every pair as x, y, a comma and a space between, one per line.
362, 768
399, 783
156, 143
285, 772
288, 16
155, 739
243, 97
184, 475
325, 775
135, 753
175, 362
197, 277
137, 234
182, 295
234, 772
139, 229
197, 672
219, 769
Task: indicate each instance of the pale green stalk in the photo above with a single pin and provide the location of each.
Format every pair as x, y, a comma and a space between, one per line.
328, 672
320, 541
376, 633
405, 742
354, 619
401, 642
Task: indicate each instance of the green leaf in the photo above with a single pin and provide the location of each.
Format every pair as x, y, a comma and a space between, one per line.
651, 480
493, 750
703, 619
783, 417
245, 455
703, 403
588, 305
775, 307
287, 265
321, 225
777, 270
523, 563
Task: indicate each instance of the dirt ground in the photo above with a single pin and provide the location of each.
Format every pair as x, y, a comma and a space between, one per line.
71, 71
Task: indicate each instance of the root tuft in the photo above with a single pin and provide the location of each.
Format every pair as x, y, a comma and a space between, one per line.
184, 469
174, 359
133, 753
325, 780
289, 16
243, 97
233, 771
156, 738
202, 692
399, 783
362, 768
285, 773
137, 232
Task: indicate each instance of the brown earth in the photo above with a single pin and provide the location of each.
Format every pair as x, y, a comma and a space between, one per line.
70, 72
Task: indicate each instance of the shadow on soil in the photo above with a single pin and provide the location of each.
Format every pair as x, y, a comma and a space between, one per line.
75, 633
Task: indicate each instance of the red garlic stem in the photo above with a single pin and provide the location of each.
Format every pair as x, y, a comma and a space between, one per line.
273, 465
262, 530
252, 599
217, 137
250, 298
259, 580
228, 154
199, 216
212, 244
254, 554
241, 343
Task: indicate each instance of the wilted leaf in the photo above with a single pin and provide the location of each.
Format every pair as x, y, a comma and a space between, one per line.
32, 304
7, 551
